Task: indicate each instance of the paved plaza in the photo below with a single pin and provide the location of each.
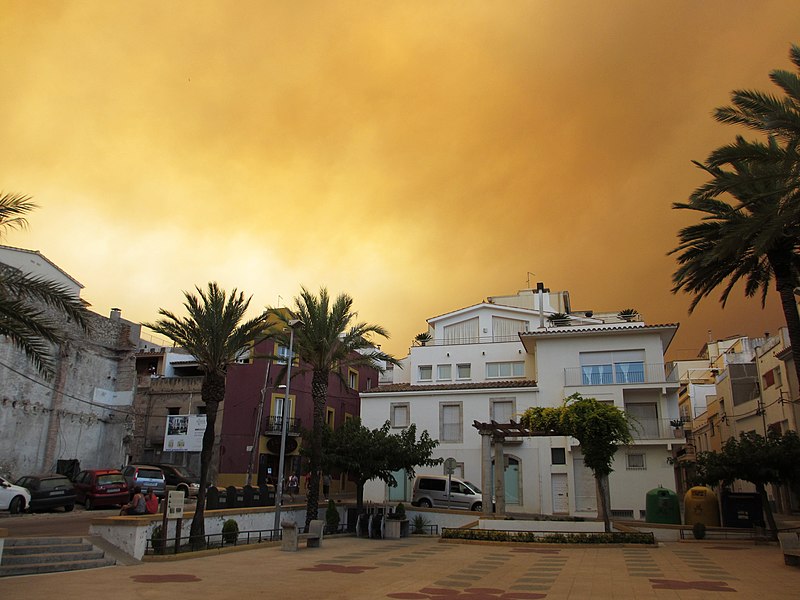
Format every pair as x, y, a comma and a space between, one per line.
424, 568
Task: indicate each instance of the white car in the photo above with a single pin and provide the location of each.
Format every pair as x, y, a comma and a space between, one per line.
13, 498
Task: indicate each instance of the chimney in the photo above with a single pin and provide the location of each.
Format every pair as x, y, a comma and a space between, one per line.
115, 314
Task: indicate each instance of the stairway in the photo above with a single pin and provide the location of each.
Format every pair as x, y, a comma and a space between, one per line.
29, 556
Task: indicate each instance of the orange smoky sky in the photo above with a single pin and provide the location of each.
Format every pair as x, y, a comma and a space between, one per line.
418, 155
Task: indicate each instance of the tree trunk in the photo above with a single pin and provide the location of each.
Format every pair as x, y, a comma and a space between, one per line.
212, 393
603, 501
785, 284
319, 393
360, 495
773, 526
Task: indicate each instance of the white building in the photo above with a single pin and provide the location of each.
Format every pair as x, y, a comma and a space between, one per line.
493, 360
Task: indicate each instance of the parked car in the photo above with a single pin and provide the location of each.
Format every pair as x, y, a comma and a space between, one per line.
432, 490
147, 477
101, 487
13, 498
180, 479
49, 491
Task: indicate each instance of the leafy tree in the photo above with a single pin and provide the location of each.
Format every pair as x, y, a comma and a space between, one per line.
215, 333
329, 342
774, 459
30, 305
749, 209
600, 429
368, 454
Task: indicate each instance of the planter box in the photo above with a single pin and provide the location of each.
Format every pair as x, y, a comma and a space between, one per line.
394, 529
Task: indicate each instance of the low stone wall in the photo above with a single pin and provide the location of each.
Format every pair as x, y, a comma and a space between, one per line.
130, 534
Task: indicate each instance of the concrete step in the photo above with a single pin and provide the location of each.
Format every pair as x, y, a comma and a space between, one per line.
75, 565
30, 556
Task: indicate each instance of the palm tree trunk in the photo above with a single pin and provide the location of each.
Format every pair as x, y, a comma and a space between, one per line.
319, 393
785, 283
212, 393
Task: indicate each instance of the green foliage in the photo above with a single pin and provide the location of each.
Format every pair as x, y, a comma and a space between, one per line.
230, 531
558, 318
599, 427
423, 338
490, 535
419, 524
699, 531
376, 453
332, 517
399, 512
156, 539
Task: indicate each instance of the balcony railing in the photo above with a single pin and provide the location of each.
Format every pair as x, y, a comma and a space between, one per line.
275, 425
616, 375
654, 429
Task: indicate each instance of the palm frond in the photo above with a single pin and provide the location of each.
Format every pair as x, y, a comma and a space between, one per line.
13, 208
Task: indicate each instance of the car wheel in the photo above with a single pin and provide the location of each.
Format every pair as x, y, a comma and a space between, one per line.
424, 503
184, 489
69, 507
87, 503
17, 505
477, 507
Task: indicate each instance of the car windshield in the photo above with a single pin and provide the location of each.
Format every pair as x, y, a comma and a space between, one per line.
183, 472
110, 478
150, 474
474, 487
56, 483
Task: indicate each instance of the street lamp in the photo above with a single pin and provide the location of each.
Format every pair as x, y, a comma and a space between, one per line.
293, 324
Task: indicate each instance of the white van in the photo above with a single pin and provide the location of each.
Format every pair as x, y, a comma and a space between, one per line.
432, 490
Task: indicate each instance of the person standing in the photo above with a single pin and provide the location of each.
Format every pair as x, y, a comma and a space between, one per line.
326, 485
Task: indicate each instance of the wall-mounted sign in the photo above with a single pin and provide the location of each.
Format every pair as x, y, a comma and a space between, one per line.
184, 433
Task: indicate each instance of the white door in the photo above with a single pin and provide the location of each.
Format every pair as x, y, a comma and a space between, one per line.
558, 481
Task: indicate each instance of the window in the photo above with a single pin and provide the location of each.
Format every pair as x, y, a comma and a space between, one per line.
769, 378
399, 414
282, 352
644, 420
450, 422
558, 456
352, 379
635, 462
173, 410
444, 372
505, 369
465, 332
277, 408
629, 372
608, 367
425, 372
501, 409
348, 417
463, 371
329, 417
201, 410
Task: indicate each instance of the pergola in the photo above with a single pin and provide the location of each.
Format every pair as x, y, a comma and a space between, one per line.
493, 435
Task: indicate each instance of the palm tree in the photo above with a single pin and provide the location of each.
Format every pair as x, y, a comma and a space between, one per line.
215, 334
751, 239
25, 299
327, 343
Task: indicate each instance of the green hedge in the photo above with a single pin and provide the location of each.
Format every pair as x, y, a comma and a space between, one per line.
495, 535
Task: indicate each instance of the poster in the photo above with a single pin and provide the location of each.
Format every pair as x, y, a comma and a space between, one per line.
184, 433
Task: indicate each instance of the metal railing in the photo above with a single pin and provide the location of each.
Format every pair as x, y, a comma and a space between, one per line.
274, 425
654, 429
175, 545
612, 375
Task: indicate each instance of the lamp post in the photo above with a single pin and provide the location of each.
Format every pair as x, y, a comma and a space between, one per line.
293, 324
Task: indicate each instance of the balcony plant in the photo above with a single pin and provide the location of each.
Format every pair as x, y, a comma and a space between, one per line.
559, 319
423, 338
628, 314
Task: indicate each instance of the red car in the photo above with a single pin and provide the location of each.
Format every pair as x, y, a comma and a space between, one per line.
101, 487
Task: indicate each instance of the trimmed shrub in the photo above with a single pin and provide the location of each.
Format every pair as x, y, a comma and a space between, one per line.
494, 535
230, 531
699, 531
156, 540
332, 517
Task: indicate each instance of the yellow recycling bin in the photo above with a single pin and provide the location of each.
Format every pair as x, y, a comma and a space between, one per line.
700, 506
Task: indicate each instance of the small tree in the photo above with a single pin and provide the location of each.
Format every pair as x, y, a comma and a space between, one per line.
600, 429
774, 459
375, 453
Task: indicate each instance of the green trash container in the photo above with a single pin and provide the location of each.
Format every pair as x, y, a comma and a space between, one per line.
662, 506
700, 506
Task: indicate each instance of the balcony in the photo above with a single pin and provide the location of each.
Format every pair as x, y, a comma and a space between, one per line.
275, 424
171, 385
631, 374
655, 429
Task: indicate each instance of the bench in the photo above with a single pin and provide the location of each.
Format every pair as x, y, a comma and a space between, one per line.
290, 538
790, 546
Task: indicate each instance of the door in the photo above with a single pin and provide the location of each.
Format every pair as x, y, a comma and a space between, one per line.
399, 493
560, 487
511, 486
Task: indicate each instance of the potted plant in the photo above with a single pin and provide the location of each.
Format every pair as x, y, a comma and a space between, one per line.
230, 531
677, 426
628, 314
396, 524
558, 319
420, 524
423, 338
